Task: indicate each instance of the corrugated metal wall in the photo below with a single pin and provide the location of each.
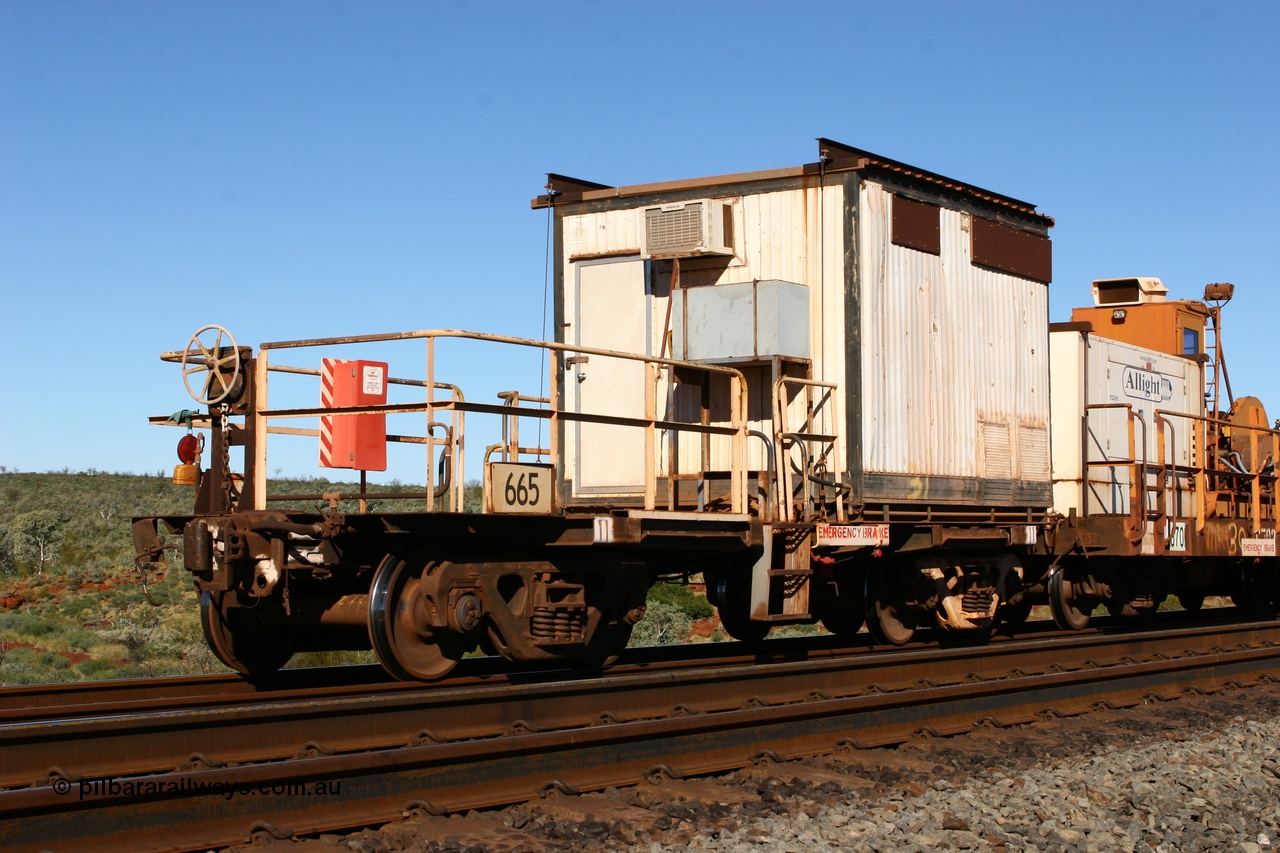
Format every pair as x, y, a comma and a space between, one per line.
951, 353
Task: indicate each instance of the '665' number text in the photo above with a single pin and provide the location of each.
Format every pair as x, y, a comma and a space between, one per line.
518, 487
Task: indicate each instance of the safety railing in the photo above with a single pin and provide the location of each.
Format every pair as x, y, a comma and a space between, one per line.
446, 415
1136, 464
1219, 472
818, 440
1211, 474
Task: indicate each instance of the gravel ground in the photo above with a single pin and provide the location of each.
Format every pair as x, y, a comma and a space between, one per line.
1201, 773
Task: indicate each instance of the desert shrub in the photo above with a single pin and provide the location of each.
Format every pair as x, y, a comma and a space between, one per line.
55, 661
73, 607
96, 667
682, 598
82, 640
26, 625
331, 658
663, 625
22, 666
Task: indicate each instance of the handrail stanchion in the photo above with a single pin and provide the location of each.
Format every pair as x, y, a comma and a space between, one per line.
259, 431
650, 435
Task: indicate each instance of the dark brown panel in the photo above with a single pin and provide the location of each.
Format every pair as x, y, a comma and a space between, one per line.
915, 225
565, 189
1127, 292
1011, 250
1083, 326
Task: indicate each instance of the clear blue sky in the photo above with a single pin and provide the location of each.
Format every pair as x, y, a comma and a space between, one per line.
299, 169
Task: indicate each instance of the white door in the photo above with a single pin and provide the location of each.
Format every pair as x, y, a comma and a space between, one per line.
611, 311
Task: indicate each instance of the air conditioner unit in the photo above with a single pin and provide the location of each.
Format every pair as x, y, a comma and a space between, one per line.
1128, 291
688, 229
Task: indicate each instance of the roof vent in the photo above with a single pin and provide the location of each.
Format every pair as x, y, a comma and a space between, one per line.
688, 229
1128, 291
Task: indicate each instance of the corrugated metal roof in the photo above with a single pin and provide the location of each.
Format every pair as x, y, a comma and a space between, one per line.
833, 157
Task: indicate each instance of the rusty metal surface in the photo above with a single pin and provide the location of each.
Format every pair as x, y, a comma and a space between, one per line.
834, 157
945, 418
915, 225
80, 700
486, 747
1012, 250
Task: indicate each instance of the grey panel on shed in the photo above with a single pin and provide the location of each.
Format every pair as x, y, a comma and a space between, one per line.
967, 490
741, 321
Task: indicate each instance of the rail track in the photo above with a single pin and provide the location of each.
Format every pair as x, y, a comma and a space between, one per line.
195, 763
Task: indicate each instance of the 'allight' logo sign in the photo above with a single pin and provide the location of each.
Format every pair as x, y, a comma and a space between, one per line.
1146, 385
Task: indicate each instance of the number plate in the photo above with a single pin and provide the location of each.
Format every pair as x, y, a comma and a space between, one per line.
520, 487
856, 535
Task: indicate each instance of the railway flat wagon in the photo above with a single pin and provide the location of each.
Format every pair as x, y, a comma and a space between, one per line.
825, 389
1163, 483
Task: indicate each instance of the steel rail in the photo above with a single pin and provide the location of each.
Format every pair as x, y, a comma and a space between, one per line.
60, 700
283, 726
49, 702
661, 723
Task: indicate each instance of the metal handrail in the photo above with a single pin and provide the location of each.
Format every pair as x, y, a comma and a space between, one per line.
651, 423
781, 470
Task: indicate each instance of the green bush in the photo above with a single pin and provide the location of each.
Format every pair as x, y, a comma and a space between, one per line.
303, 660
95, 667
682, 598
81, 640
55, 661
663, 625
73, 607
27, 625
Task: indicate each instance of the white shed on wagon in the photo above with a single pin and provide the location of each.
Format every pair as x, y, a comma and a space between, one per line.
891, 323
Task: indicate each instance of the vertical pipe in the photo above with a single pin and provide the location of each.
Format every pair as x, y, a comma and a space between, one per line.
673, 449
1202, 495
431, 441
459, 450
554, 437
650, 432
704, 418
1255, 502
1083, 364
1136, 501
260, 431
782, 473
738, 474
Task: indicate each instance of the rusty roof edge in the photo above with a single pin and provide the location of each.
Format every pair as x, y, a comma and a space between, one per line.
847, 158
670, 186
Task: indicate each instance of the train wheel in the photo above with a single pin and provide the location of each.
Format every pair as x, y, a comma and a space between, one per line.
842, 613
239, 639
842, 622
888, 620
1070, 610
732, 596
606, 646
398, 626
1015, 614
1191, 601
1257, 592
